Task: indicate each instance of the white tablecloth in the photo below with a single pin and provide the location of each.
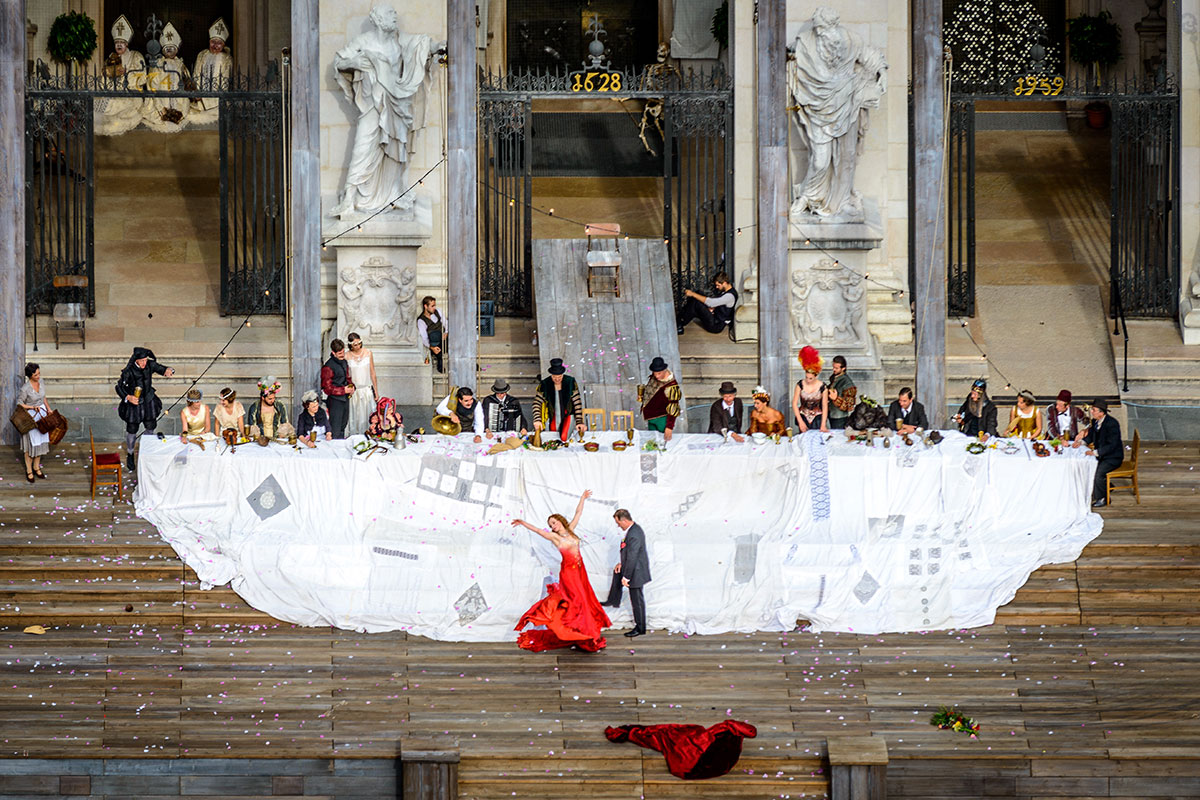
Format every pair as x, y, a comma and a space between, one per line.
741, 537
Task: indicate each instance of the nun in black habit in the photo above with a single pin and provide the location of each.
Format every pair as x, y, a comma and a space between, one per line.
139, 405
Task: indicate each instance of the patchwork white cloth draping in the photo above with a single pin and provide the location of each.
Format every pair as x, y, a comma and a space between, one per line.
741, 537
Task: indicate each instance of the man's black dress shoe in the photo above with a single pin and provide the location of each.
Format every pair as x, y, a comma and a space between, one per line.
634, 632
611, 605
1100, 504
129, 462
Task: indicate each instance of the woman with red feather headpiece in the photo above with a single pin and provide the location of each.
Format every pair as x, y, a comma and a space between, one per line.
809, 399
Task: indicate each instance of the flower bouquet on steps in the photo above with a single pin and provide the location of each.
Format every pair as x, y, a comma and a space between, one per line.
955, 720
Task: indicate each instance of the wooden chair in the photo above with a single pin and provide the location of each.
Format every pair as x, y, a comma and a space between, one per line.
104, 463
594, 419
1127, 471
621, 421
71, 316
603, 265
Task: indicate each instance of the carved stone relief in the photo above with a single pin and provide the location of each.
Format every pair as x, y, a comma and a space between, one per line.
379, 301
829, 306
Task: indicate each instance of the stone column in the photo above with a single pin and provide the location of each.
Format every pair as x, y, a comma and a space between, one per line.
929, 225
12, 203
1189, 183
304, 290
772, 200
744, 271
462, 307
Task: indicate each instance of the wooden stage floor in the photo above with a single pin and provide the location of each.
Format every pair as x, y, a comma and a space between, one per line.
1088, 685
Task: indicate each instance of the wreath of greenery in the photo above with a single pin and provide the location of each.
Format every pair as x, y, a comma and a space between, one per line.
72, 37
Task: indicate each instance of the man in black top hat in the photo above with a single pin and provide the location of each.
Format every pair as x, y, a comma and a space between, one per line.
1103, 437
558, 404
502, 412
139, 404
725, 415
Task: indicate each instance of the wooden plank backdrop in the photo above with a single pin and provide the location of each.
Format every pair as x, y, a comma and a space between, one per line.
607, 342
1086, 686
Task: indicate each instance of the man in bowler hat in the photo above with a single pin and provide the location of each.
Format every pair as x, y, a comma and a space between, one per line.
632, 573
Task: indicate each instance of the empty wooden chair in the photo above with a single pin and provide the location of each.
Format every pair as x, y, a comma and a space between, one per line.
594, 419
621, 421
70, 316
1127, 471
103, 464
604, 266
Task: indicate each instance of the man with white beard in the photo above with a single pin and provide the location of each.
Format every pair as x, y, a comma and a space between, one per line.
833, 80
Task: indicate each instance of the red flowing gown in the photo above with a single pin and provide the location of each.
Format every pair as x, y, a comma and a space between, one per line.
570, 612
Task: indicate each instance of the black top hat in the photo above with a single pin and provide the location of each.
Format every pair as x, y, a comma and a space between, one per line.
658, 365
727, 387
556, 367
500, 386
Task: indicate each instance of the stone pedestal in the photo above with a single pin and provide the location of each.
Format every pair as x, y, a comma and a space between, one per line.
377, 296
828, 297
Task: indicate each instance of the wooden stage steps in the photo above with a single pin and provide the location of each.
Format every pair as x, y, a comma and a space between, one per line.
606, 341
1086, 686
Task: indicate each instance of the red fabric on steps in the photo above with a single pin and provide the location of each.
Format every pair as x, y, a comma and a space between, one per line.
693, 752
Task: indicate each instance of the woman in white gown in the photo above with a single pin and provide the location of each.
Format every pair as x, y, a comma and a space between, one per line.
362, 374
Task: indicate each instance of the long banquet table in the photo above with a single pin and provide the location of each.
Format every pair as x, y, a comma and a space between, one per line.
741, 537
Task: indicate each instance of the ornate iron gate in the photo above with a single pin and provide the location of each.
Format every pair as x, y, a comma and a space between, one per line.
60, 115
59, 197
506, 205
253, 198
686, 120
1144, 271
1144, 227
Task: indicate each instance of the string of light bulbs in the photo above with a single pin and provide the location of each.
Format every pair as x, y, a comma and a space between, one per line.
358, 226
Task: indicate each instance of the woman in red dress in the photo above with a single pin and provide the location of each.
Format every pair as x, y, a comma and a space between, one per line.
570, 612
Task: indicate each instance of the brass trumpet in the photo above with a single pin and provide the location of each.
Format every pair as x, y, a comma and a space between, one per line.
446, 426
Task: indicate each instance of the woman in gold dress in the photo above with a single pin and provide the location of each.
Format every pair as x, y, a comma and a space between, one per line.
764, 419
1025, 421
194, 417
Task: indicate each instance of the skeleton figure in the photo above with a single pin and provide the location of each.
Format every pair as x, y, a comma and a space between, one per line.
656, 75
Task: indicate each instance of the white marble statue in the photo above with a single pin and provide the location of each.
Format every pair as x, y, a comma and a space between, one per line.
385, 73
832, 82
213, 70
168, 114
125, 69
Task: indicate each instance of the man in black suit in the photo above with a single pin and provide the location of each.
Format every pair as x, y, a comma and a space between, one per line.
632, 573
1103, 437
908, 412
725, 415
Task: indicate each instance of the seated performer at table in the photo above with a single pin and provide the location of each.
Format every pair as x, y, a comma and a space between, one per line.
463, 409
764, 419
313, 422
194, 419
1064, 421
905, 414
659, 398
268, 413
711, 313
1103, 437
810, 401
569, 612
558, 404
1025, 420
385, 421
977, 415
502, 413
229, 413
725, 415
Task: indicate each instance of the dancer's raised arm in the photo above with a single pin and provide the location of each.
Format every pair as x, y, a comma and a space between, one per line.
579, 508
548, 535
